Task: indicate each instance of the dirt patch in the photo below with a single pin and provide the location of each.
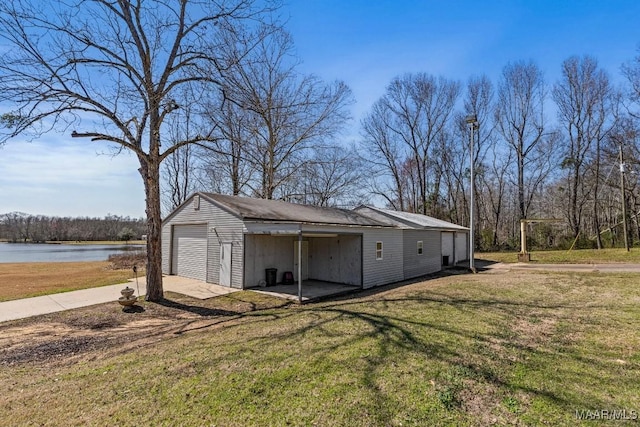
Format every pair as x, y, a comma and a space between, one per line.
103, 330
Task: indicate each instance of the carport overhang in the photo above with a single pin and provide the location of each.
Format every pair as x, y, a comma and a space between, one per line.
302, 231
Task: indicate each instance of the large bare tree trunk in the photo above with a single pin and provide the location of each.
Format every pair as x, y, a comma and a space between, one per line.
150, 172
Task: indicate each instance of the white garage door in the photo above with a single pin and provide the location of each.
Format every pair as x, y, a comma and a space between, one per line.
462, 248
190, 251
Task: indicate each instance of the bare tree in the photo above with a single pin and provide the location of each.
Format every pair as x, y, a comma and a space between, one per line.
520, 121
119, 66
453, 161
229, 160
18, 226
584, 100
178, 174
631, 70
333, 177
289, 113
404, 127
384, 152
180, 169
478, 101
494, 184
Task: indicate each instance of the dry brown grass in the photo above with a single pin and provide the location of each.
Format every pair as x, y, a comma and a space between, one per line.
22, 280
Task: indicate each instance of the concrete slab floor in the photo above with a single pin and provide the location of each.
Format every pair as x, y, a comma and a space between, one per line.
311, 290
190, 287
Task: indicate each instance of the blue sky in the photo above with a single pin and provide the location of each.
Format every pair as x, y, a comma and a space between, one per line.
365, 44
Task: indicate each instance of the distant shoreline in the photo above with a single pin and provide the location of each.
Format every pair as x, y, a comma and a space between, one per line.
65, 251
79, 242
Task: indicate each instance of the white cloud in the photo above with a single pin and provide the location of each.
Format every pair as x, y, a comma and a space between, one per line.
52, 176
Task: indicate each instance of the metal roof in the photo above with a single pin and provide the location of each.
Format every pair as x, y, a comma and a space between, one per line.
414, 220
276, 210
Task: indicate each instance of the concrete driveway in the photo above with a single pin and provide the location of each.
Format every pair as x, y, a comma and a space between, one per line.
22, 308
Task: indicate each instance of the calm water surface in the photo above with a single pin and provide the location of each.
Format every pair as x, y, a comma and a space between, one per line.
36, 252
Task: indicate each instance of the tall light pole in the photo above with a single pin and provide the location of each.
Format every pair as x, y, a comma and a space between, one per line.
472, 121
624, 202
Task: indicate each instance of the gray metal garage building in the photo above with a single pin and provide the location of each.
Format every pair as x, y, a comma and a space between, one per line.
232, 241
451, 239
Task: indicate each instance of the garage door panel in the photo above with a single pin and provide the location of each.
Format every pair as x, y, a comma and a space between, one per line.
461, 247
190, 251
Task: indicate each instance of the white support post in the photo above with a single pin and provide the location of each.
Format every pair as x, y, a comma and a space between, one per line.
523, 236
300, 267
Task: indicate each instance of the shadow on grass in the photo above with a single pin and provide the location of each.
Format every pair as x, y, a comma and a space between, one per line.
199, 310
475, 336
218, 314
487, 354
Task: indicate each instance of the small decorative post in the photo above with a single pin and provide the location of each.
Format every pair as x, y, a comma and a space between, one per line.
135, 271
523, 256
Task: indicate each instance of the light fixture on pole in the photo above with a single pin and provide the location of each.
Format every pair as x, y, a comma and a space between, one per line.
472, 121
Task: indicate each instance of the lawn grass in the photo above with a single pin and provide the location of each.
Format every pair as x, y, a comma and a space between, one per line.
23, 280
576, 256
504, 348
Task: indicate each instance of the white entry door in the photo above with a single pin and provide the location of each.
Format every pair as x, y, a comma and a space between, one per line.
225, 264
305, 260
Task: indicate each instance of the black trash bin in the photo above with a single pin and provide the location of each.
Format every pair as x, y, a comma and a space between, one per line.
445, 260
271, 276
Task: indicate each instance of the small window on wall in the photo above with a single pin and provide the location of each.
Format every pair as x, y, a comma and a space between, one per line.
196, 202
419, 247
378, 250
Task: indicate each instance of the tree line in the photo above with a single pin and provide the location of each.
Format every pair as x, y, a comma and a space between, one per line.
541, 150
529, 164
18, 227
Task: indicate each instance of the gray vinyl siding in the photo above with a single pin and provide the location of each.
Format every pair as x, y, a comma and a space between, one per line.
225, 228
221, 227
256, 227
389, 268
429, 261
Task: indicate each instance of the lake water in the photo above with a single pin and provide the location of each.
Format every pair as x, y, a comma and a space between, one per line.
36, 252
